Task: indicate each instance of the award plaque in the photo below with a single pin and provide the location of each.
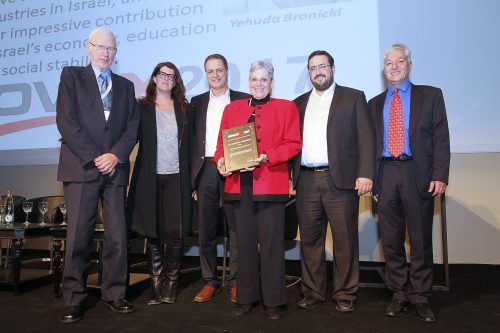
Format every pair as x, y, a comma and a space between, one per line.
240, 147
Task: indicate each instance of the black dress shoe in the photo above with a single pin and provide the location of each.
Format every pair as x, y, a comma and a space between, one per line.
119, 305
423, 312
344, 305
396, 308
71, 314
273, 312
242, 309
309, 303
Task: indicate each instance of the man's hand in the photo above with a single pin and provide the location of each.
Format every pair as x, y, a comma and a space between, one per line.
363, 185
437, 187
291, 190
106, 163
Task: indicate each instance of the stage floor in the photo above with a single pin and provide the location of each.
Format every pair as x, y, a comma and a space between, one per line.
472, 305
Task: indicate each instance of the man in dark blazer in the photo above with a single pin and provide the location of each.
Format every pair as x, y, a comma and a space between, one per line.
335, 167
412, 168
206, 110
98, 124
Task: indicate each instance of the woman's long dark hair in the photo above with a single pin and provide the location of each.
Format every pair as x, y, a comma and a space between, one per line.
178, 91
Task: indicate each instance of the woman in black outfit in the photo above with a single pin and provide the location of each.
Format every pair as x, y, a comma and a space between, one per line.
160, 196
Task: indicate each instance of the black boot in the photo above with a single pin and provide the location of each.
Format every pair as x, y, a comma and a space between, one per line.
155, 271
173, 261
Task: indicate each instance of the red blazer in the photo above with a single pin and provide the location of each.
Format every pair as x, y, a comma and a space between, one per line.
278, 135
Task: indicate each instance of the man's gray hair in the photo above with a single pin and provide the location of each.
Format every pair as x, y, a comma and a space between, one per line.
401, 47
96, 31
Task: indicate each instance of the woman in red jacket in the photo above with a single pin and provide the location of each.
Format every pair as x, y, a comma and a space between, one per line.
258, 195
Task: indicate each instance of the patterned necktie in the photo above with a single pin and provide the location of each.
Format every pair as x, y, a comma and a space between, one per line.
396, 142
106, 97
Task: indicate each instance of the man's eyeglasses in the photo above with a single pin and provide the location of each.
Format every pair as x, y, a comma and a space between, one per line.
321, 68
165, 76
102, 48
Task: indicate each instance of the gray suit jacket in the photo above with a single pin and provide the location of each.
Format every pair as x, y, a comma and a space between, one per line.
84, 130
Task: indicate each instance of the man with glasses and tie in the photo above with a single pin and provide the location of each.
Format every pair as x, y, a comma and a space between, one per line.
335, 167
98, 123
413, 161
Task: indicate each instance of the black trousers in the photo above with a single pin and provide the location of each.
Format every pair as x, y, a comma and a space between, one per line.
260, 228
82, 201
169, 210
400, 208
319, 202
210, 191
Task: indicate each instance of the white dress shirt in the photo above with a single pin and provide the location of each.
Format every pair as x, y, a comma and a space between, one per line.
314, 143
215, 110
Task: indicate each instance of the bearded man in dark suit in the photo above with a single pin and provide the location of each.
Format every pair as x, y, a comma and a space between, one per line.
335, 167
98, 123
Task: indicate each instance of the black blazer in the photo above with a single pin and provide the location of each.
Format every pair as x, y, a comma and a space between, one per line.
84, 130
141, 203
429, 136
350, 137
199, 106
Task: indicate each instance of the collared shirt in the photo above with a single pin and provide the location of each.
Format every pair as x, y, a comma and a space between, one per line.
405, 95
314, 142
215, 110
99, 80
97, 72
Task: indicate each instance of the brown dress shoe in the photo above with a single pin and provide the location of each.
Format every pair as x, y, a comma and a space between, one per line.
206, 294
232, 290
